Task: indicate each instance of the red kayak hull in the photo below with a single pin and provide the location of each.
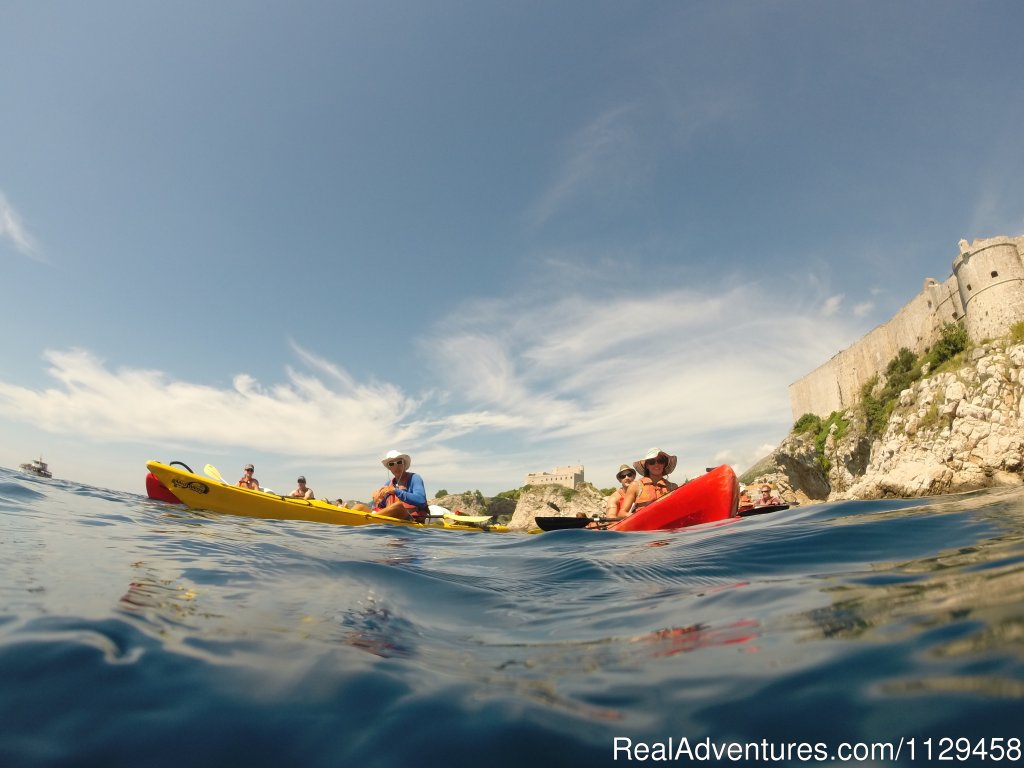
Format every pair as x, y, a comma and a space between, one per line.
706, 499
159, 491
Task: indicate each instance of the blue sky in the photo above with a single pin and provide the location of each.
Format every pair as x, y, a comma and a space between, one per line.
500, 237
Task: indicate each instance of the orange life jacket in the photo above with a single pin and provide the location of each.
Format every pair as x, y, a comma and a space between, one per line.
651, 491
418, 513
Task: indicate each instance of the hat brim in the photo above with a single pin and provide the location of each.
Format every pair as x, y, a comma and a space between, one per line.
669, 467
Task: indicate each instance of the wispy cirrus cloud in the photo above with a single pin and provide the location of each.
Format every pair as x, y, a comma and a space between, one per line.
680, 367
601, 156
13, 230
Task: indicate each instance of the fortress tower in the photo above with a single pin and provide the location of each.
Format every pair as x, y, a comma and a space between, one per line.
985, 293
990, 277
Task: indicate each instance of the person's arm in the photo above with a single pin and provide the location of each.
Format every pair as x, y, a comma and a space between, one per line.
611, 507
309, 493
629, 498
380, 495
415, 494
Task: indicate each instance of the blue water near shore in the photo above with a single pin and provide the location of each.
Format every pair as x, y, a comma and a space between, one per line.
137, 633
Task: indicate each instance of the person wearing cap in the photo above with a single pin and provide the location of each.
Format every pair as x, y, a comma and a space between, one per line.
302, 492
652, 482
247, 480
626, 475
404, 496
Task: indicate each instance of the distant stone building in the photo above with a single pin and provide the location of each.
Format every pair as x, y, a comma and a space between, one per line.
985, 293
568, 477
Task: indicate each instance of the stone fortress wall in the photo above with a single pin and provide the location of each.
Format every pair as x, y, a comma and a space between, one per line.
985, 293
568, 477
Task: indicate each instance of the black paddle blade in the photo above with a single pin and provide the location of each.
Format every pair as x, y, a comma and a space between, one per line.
561, 523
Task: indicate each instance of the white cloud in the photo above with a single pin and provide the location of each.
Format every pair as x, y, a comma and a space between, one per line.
520, 383
12, 229
679, 369
304, 416
863, 309
831, 306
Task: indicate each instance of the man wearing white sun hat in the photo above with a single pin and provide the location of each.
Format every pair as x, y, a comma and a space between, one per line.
404, 496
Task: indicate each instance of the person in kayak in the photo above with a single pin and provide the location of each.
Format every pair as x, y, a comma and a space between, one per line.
302, 492
247, 480
768, 497
652, 482
745, 501
626, 475
405, 496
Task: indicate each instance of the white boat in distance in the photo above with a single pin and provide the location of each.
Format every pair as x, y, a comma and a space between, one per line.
37, 467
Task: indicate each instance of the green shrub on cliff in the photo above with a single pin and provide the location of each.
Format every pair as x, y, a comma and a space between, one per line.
1017, 333
876, 408
837, 418
809, 422
903, 370
952, 341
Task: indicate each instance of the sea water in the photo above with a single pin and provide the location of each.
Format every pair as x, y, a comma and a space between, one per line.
138, 633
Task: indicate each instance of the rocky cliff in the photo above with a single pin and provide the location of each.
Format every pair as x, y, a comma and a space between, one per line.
554, 500
949, 432
475, 503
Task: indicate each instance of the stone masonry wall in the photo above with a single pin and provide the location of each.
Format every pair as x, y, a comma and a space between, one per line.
986, 292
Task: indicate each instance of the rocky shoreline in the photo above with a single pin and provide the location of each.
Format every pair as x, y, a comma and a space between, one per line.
950, 432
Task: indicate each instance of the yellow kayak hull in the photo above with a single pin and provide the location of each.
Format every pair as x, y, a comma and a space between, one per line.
199, 492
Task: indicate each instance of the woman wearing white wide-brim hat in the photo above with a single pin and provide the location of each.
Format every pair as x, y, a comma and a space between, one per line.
652, 481
404, 496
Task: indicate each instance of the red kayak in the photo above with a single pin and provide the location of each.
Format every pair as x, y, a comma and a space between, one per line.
157, 491
710, 498
705, 499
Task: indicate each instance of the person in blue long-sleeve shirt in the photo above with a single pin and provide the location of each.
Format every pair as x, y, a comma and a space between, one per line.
405, 496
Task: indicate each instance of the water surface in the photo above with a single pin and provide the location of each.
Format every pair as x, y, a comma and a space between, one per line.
137, 633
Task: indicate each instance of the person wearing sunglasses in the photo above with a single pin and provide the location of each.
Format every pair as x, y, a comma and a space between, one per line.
404, 496
247, 480
652, 481
767, 497
626, 475
303, 491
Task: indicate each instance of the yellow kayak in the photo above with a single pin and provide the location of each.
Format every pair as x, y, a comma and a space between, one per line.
199, 492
